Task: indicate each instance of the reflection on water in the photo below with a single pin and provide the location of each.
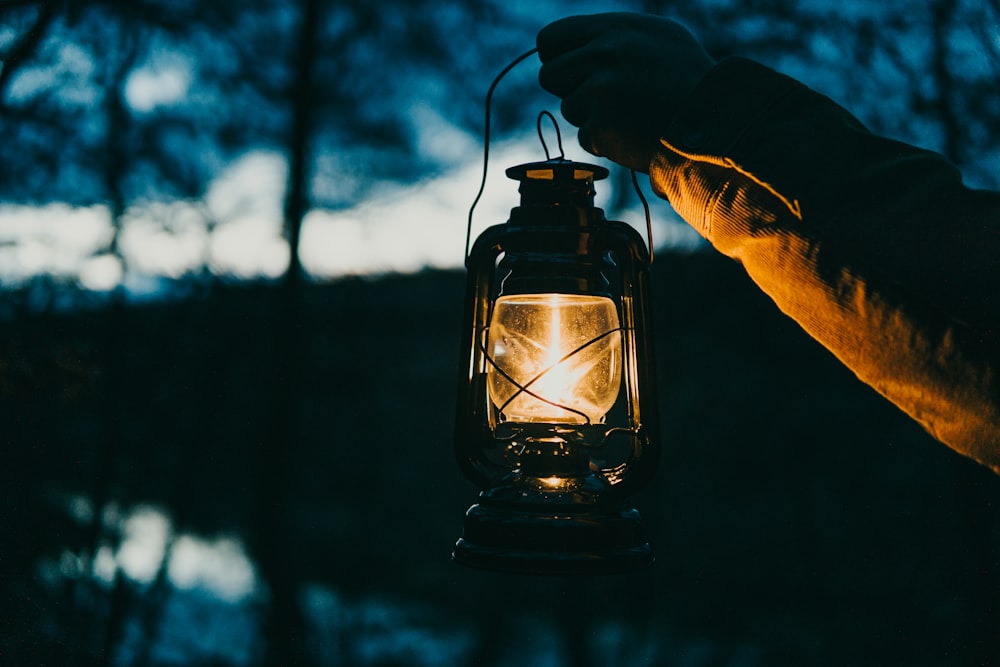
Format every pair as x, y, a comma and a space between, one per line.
191, 599
144, 532
198, 600
379, 632
219, 567
194, 627
163, 596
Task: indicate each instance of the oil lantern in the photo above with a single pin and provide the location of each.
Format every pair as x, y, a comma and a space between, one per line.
557, 408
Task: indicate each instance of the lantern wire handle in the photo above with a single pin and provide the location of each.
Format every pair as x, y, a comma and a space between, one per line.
486, 141
541, 137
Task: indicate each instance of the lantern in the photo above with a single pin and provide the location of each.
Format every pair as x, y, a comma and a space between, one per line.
557, 409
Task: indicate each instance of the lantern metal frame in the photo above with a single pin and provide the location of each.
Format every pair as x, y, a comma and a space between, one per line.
547, 503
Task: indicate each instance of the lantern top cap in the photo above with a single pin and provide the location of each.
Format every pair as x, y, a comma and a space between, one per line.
558, 170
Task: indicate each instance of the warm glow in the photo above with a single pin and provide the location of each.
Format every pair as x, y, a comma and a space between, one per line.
557, 357
553, 482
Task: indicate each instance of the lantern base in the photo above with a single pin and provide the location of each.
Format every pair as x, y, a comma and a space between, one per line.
555, 540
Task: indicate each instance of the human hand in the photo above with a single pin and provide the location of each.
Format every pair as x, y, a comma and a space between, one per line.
620, 76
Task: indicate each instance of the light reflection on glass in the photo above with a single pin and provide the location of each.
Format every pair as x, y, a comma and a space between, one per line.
557, 357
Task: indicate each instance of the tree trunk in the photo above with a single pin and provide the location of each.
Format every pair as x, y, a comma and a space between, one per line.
277, 452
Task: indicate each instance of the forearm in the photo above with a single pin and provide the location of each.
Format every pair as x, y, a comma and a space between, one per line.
898, 288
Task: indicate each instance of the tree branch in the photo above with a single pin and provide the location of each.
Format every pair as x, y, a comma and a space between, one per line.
25, 47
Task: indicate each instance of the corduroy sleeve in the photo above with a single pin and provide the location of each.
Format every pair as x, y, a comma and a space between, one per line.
874, 247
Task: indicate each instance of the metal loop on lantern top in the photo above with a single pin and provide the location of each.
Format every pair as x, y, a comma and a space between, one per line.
541, 137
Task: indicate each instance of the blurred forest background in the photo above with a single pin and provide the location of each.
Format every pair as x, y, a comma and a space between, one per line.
227, 439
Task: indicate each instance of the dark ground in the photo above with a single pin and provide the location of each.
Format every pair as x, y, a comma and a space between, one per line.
798, 518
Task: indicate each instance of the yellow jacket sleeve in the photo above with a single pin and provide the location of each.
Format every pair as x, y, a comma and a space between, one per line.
874, 247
